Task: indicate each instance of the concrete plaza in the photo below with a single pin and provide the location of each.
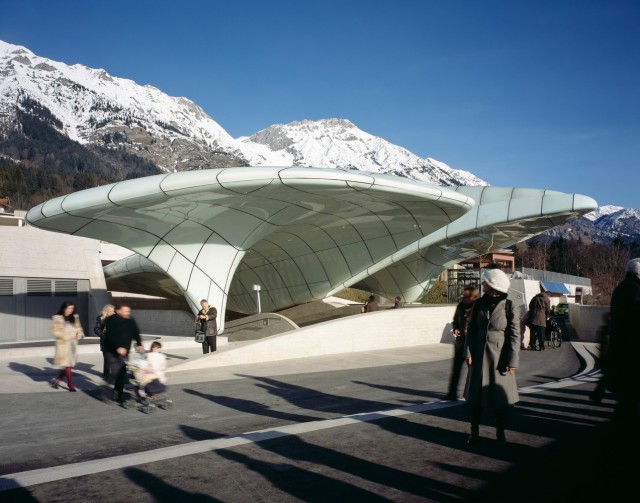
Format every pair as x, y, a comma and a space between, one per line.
368, 426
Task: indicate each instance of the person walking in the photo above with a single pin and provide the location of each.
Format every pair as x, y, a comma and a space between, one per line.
460, 322
398, 303
206, 317
66, 328
120, 332
99, 330
492, 351
622, 361
539, 309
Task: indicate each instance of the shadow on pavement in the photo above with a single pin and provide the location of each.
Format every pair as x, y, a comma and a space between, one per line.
585, 468
407, 391
47, 374
311, 399
251, 407
163, 492
303, 484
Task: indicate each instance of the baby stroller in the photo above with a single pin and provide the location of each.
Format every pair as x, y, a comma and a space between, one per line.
147, 392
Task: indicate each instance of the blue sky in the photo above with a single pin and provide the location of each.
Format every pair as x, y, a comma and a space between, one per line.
541, 94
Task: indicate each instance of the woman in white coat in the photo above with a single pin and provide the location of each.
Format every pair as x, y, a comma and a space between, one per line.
66, 328
492, 351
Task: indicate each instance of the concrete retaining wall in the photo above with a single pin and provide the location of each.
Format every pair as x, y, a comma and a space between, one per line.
165, 323
586, 320
364, 332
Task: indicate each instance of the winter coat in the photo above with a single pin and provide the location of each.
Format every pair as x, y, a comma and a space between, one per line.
210, 325
460, 322
622, 359
370, 306
539, 309
120, 333
493, 343
67, 336
99, 330
158, 365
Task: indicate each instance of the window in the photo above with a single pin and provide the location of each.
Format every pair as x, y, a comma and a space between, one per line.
38, 288
6, 286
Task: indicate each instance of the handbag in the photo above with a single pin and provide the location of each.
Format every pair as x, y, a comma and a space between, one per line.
200, 335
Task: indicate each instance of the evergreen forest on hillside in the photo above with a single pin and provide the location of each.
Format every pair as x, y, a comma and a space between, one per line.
38, 163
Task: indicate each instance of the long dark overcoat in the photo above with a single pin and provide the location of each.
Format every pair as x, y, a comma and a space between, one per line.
622, 360
493, 342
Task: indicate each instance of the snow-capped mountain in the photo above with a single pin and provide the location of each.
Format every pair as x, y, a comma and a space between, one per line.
602, 211
92, 107
605, 224
337, 143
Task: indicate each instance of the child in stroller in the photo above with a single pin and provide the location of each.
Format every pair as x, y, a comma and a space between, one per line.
150, 380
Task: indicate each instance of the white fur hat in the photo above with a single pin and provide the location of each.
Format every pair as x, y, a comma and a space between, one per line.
633, 266
497, 280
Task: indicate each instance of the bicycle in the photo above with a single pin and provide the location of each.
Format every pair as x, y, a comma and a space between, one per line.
553, 337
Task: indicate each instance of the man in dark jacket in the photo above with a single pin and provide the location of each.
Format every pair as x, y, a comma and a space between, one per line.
539, 307
460, 324
206, 319
622, 357
120, 331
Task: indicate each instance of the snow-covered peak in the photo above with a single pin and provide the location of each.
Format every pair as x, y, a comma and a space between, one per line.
602, 211
338, 143
96, 96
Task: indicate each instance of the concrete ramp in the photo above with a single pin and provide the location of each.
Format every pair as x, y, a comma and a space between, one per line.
393, 328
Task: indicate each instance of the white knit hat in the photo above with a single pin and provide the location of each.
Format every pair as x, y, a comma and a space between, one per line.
497, 280
633, 266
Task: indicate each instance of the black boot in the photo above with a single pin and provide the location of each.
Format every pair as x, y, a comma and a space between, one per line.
475, 415
501, 420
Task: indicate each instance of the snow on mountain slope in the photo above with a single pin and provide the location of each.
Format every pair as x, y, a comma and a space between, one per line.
94, 96
337, 143
92, 107
602, 211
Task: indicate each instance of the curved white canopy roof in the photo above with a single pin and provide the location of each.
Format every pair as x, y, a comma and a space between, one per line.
298, 232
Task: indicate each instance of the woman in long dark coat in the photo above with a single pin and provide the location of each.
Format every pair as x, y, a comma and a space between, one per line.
492, 351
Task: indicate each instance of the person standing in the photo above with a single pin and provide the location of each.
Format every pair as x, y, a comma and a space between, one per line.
206, 317
492, 351
66, 328
460, 323
398, 303
539, 309
98, 329
371, 305
622, 360
120, 332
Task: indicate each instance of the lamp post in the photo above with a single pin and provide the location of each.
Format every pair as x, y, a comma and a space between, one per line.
256, 288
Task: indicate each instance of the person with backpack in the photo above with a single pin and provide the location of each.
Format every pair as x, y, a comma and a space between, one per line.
492, 351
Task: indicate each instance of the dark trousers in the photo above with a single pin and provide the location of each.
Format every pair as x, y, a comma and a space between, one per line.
209, 344
456, 370
537, 334
105, 365
475, 415
155, 387
117, 374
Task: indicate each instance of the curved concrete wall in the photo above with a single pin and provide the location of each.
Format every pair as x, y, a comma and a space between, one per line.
586, 320
391, 328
